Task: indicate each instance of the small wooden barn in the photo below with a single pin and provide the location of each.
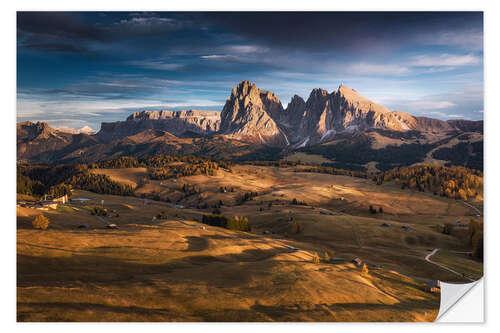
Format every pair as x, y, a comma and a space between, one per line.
356, 261
434, 287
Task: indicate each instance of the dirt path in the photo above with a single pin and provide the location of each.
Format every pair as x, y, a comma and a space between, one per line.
296, 249
469, 205
427, 258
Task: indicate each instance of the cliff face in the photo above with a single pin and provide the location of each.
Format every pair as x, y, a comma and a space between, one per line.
325, 114
249, 114
188, 115
255, 115
179, 123
251, 117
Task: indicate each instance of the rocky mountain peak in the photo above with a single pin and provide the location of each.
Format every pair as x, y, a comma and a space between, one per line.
290, 119
296, 100
318, 93
244, 88
84, 130
251, 114
39, 130
357, 100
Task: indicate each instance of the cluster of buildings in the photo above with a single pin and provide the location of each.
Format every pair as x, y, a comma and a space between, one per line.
46, 204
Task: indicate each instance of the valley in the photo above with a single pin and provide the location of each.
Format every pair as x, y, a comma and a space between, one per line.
331, 209
164, 269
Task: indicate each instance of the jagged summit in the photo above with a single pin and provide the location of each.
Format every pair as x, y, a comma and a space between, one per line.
361, 102
256, 115
251, 114
38, 130
251, 117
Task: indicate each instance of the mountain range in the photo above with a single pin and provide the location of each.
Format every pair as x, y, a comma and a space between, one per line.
254, 125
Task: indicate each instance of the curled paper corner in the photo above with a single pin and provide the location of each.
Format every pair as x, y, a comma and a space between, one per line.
462, 303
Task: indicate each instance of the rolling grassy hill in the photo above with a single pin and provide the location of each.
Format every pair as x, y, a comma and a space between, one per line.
178, 269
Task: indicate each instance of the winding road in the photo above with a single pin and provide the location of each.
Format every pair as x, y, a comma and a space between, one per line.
294, 249
468, 204
427, 258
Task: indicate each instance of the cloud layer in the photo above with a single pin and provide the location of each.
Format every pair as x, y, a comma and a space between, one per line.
82, 68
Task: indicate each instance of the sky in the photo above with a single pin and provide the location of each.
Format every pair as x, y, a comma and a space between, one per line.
77, 69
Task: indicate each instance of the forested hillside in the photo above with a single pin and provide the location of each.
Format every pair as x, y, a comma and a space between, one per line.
452, 182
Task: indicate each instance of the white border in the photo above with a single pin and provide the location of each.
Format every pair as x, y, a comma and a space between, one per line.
7, 132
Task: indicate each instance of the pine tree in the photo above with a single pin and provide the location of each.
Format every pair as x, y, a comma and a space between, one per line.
41, 222
315, 258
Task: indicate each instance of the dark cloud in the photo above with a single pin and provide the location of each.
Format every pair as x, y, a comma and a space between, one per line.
310, 31
87, 31
342, 30
55, 32
81, 61
54, 47
57, 25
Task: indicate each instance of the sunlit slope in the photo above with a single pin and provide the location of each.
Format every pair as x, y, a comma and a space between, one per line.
176, 271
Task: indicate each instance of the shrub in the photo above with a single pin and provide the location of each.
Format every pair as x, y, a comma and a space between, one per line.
474, 228
326, 258
315, 258
215, 220
296, 202
239, 223
41, 222
296, 227
162, 216
99, 211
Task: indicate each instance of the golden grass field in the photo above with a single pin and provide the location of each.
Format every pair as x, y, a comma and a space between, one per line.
180, 270
307, 158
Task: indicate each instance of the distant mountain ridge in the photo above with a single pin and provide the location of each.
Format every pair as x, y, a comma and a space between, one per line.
254, 125
256, 115
84, 130
176, 122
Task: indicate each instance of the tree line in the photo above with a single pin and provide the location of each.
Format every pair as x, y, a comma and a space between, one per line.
58, 180
453, 182
161, 167
236, 223
156, 162
208, 168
